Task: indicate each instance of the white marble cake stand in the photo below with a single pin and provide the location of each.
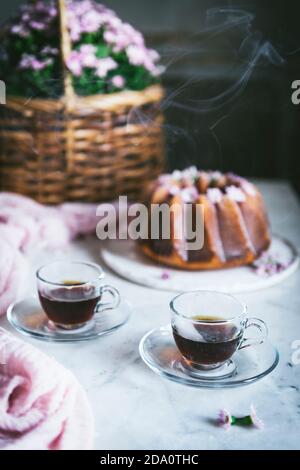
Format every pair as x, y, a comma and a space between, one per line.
125, 258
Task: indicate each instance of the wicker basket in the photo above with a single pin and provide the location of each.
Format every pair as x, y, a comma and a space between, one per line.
81, 148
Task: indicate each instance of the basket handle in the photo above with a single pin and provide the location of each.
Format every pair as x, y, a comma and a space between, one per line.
66, 48
69, 93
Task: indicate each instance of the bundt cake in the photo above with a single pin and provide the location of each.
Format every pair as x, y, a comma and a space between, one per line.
236, 228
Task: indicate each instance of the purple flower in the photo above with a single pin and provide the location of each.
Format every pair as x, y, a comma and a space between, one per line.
35, 16
91, 22
136, 55
104, 66
25, 17
153, 55
80, 8
75, 32
74, 63
165, 276
174, 190
118, 81
235, 194
52, 11
85, 16
177, 175
31, 62
39, 26
88, 55
225, 419
189, 194
158, 71
191, 172
249, 188
214, 195
88, 49
112, 21
134, 37
20, 30
269, 265
41, 7
256, 421
116, 39
49, 50
164, 179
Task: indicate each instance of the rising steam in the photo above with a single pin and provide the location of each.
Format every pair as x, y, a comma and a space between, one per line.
251, 51
226, 48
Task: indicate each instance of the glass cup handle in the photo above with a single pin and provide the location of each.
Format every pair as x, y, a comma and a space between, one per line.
102, 306
263, 329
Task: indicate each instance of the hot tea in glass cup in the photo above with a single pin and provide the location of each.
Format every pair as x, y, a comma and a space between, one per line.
209, 328
71, 293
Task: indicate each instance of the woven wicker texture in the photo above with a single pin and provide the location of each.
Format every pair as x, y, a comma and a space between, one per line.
81, 148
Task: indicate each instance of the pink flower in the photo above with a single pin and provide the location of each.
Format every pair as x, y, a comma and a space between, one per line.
153, 55
112, 21
88, 55
74, 63
118, 81
235, 194
41, 7
140, 56
190, 173
37, 16
88, 49
91, 21
249, 188
189, 194
20, 30
110, 36
174, 190
149, 65
49, 50
86, 16
52, 11
80, 8
25, 17
38, 25
214, 195
270, 265
31, 62
165, 275
104, 66
134, 36
257, 422
75, 32
224, 419
158, 70
164, 179
89, 60
136, 55
117, 37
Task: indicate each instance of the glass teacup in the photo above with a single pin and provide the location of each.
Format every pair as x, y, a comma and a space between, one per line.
209, 327
71, 293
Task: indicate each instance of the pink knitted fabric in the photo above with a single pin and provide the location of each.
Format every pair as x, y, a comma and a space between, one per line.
13, 273
42, 405
26, 225
32, 223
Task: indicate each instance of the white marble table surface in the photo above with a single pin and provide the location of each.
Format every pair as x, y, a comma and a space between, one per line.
136, 409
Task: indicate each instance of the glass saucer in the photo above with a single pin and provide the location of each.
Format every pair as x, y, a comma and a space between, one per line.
158, 350
28, 317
